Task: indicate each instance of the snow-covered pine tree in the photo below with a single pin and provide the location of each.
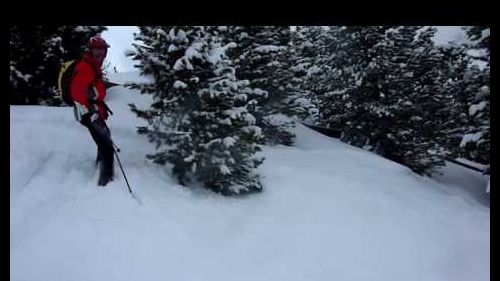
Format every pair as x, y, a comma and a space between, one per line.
74, 39
26, 54
431, 110
346, 90
261, 57
289, 99
325, 52
476, 140
309, 45
454, 86
202, 118
36, 54
479, 37
386, 95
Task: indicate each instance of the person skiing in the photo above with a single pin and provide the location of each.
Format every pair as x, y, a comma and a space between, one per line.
88, 92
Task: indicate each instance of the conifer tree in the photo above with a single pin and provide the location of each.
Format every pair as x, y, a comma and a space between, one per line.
202, 118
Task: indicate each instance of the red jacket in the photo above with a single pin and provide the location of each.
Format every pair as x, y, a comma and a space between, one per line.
84, 80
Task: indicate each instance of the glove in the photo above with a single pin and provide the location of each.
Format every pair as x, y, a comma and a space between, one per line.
84, 115
88, 117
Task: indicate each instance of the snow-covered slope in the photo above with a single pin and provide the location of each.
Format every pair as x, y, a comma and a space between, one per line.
329, 211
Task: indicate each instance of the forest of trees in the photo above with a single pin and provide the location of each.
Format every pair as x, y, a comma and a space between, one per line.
220, 92
36, 54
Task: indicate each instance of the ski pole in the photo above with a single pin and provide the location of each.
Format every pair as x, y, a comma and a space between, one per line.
120, 163
128, 185
116, 147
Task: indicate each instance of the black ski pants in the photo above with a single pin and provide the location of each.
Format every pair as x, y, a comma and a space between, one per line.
105, 150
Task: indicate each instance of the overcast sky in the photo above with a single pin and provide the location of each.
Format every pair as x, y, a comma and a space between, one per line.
120, 39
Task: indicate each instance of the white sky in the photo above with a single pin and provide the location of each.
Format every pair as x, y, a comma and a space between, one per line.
121, 37
445, 34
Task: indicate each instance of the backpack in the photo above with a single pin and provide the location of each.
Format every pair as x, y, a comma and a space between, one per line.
66, 74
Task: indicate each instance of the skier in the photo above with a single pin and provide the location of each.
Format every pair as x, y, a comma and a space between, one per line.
88, 92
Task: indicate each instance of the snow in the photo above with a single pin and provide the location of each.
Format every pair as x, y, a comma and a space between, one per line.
480, 64
193, 51
254, 130
474, 108
249, 119
313, 70
470, 163
217, 54
55, 40
172, 48
303, 102
269, 48
224, 169
161, 33
479, 53
179, 85
180, 37
420, 31
329, 211
277, 119
228, 141
18, 74
465, 183
182, 63
80, 29
235, 112
470, 138
241, 97
225, 121
484, 34
483, 92
260, 92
